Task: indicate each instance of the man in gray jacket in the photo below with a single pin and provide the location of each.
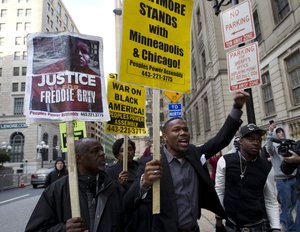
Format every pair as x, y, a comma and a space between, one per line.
285, 184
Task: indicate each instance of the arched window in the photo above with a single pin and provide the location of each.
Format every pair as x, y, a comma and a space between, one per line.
17, 147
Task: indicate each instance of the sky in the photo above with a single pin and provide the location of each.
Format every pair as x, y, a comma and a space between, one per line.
96, 17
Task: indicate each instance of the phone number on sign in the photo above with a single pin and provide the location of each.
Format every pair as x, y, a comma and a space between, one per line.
125, 130
157, 76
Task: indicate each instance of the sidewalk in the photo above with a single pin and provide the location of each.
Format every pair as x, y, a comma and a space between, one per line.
207, 221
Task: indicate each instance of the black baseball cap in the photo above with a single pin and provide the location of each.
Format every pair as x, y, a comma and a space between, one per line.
251, 128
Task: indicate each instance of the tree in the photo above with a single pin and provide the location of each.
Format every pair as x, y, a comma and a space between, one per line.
4, 157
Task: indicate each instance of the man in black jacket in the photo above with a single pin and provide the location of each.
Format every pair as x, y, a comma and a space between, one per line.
100, 197
59, 171
185, 184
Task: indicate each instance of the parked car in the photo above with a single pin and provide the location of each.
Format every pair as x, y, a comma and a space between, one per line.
39, 177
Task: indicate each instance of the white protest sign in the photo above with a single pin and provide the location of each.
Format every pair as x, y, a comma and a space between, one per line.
243, 67
237, 24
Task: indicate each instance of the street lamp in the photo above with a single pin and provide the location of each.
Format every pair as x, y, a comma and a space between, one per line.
5, 146
42, 149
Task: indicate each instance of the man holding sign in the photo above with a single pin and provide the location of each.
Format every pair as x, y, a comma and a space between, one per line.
186, 186
99, 196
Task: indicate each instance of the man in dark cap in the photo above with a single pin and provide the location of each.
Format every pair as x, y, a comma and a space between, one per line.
100, 197
245, 186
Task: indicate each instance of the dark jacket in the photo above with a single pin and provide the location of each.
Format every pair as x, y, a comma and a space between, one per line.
166, 221
53, 208
114, 171
56, 174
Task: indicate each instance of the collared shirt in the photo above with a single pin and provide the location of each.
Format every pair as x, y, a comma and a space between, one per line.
186, 189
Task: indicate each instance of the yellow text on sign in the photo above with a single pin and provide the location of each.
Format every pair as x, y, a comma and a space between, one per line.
79, 133
156, 40
126, 108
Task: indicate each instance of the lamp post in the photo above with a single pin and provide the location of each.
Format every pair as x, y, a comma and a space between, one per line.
5, 150
42, 149
6, 147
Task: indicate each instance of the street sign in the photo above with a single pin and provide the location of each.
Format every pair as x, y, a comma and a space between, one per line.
174, 97
175, 114
243, 67
175, 110
174, 106
237, 24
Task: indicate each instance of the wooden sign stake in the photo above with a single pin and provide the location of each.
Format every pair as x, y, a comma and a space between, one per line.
72, 169
156, 148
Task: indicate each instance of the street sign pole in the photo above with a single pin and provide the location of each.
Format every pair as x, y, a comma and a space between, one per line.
249, 103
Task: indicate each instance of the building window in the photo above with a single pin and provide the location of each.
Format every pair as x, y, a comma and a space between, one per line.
257, 27
23, 86
18, 26
28, 12
24, 69
267, 94
0, 72
206, 123
190, 125
2, 26
20, 12
17, 143
27, 26
3, 13
48, 19
280, 9
293, 69
203, 64
24, 55
18, 40
1, 41
4, 1
196, 121
59, 9
18, 106
17, 56
25, 40
48, 6
16, 71
66, 20
199, 20
15, 87
51, 24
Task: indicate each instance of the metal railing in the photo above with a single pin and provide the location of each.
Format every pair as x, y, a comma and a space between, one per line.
9, 181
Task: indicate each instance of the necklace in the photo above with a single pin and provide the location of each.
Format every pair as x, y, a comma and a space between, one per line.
241, 167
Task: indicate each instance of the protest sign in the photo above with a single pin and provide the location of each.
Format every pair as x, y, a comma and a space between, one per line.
155, 52
126, 108
155, 49
65, 79
79, 133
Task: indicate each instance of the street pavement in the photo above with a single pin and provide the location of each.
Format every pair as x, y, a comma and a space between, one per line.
207, 221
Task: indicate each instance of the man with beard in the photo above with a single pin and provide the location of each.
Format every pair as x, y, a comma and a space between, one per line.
185, 184
99, 197
245, 186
